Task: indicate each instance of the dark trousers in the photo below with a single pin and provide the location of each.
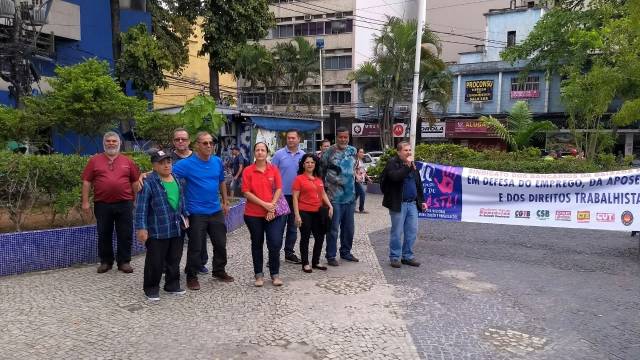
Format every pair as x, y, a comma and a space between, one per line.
199, 227
292, 229
360, 193
311, 223
120, 215
258, 228
162, 254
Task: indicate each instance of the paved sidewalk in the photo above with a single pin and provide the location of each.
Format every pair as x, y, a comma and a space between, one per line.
346, 312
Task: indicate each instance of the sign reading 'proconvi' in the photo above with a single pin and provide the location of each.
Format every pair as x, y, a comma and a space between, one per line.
605, 201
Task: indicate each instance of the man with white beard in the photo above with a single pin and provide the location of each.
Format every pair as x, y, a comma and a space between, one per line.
114, 178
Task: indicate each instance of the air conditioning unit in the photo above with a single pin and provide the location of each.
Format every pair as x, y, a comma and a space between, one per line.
267, 108
403, 108
339, 15
7, 9
308, 17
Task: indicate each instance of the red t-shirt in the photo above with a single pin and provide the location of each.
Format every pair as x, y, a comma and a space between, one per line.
262, 185
310, 198
111, 179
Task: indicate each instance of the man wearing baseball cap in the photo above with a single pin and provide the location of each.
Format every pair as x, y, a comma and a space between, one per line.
160, 220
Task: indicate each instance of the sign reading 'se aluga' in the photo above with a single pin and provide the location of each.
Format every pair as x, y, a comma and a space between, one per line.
478, 90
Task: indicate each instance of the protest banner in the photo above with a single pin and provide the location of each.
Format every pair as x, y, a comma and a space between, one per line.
603, 201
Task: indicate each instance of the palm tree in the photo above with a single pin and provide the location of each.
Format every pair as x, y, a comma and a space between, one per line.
255, 64
387, 79
299, 61
520, 127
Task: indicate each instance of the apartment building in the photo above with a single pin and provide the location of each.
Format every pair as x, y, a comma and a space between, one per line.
347, 29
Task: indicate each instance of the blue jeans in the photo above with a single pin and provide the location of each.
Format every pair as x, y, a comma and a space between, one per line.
292, 229
404, 221
360, 193
258, 228
342, 221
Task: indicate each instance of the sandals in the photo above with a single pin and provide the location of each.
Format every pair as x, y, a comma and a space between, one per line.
319, 267
307, 268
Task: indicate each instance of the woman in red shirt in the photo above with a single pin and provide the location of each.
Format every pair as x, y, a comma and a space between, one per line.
308, 197
262, 186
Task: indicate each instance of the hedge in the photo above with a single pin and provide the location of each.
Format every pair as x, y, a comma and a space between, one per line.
45, 180
525, 161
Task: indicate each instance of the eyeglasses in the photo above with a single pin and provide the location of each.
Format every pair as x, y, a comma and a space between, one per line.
180, 139
206, 143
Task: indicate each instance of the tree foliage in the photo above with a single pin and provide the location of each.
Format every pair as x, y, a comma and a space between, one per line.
520, 128
172, 23
142, 61
299, 61
227, 26
595, 47
387, 78
84, 99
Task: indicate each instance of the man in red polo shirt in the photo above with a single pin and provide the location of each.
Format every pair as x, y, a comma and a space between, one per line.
113, 177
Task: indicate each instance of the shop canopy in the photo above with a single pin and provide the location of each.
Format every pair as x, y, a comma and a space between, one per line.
284, 124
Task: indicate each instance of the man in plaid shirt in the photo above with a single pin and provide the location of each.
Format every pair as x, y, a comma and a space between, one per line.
160, 219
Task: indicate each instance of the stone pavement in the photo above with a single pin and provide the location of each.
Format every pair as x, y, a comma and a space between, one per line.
483, 292
504, 292
346, 312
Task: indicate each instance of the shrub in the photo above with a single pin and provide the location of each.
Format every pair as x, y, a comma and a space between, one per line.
527, 160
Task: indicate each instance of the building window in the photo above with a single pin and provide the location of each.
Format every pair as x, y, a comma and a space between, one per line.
511, 38
529, 88
314, 28
338, 63
337, 97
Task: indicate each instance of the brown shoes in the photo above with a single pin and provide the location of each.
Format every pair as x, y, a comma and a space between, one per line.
276, 281
125, 268
103, 268
193, 284
223, 276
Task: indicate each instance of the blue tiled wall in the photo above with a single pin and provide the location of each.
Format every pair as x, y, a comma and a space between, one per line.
57, 248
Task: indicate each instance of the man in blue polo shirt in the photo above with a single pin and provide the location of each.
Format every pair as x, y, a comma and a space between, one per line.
287, 160
204, 180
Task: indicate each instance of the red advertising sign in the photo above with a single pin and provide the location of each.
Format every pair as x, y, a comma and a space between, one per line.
399, 130
468, 128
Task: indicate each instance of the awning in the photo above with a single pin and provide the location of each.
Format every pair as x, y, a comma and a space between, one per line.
284, 124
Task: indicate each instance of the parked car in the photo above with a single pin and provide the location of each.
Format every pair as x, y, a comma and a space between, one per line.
368, 161
375, 156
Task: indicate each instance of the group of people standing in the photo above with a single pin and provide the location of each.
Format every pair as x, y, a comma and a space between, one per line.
296, 191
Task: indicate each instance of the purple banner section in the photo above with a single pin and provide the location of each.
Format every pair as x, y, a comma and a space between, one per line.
442, 191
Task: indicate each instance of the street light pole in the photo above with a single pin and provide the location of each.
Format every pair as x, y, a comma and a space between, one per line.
422, 14
320, 45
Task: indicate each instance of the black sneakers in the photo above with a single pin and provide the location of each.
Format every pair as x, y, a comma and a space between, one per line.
292, 258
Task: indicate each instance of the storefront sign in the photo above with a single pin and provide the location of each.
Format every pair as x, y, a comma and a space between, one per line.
475, 126
603, 201
365, 130
399, 130
435, 131
525, 94
478, 90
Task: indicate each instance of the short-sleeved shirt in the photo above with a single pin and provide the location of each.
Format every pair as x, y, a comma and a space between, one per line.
310, 198
261, 184
288, 163
202, 183
173, 193
339, 176
111, 179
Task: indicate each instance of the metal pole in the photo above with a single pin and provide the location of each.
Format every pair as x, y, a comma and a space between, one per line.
321, 101
422, 14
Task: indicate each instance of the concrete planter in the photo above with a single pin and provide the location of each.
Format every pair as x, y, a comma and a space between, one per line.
374, 188
28, 251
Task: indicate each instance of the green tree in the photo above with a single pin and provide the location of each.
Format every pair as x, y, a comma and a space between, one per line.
520, 128
595, 47
199, 114
387, 78
142, 61
172, 24
228, 25
158, 127
84, 99
299, 61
